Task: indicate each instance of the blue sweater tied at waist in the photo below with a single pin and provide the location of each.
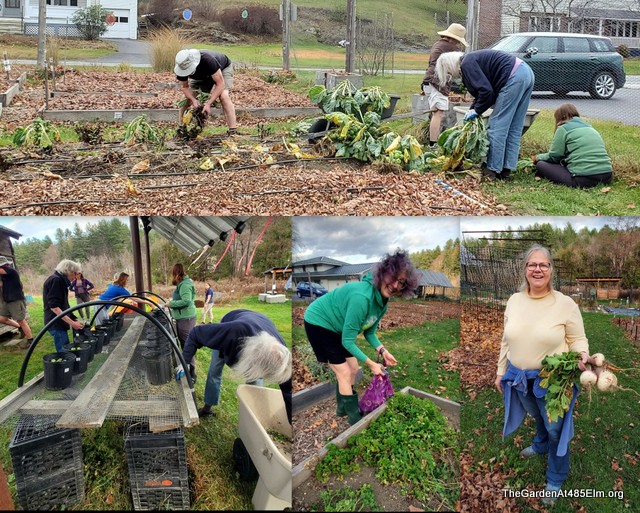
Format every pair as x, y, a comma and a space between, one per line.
516, 380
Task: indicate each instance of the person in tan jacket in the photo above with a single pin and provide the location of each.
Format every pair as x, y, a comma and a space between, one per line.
436, 91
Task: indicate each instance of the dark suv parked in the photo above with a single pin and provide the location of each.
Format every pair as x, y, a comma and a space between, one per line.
563, 62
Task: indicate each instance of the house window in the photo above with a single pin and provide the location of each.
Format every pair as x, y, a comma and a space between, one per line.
64, 3
315, 267
12, 4
544, 24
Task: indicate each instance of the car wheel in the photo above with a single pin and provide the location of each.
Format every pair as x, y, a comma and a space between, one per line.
603, 86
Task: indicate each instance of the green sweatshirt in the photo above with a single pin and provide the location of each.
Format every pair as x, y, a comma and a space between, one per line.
353, 308
182, 301
579, 147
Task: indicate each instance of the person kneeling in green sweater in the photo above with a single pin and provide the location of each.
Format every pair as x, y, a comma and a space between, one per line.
577, 157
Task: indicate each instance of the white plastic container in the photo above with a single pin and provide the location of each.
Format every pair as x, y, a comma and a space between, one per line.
528, 120
262, 409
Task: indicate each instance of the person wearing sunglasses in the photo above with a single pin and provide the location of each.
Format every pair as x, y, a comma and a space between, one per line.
333, 321
539, 321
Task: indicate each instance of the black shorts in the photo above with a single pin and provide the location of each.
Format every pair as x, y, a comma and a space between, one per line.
326, 344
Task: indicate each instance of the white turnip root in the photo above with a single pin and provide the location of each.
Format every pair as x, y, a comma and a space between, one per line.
607, 381
588, 378
597, 359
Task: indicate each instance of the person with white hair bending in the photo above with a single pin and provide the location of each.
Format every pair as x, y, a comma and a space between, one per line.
250, 344
500, 81
55, 296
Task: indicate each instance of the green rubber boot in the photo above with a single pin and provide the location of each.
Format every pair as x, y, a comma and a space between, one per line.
350, 403
340, 411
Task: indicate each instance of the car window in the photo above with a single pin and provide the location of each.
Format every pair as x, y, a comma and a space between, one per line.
576, 45
510, 44
601, 45
545, 44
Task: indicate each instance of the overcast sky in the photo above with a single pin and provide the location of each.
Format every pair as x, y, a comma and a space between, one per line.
40, 226
358, 240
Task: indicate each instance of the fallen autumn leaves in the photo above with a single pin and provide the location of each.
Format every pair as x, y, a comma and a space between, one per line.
174, 183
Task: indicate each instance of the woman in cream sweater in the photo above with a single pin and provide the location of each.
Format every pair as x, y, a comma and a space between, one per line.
539, 321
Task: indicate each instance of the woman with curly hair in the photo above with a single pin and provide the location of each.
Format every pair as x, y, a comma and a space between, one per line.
333, 321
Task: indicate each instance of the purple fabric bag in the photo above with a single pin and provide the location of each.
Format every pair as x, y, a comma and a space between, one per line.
377, 393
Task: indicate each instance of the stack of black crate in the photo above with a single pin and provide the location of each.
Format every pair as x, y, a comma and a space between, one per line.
47, 462
157, 468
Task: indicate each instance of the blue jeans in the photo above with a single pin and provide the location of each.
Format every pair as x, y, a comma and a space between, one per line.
507, 120
547, 437
214, 380
60, 338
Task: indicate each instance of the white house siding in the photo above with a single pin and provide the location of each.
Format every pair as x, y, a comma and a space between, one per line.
62, 15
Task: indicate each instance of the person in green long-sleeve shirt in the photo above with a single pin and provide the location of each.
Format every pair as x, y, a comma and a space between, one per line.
333, 321
183, 307
577, 157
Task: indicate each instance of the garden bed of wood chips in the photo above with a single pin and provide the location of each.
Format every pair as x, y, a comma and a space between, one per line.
172, 182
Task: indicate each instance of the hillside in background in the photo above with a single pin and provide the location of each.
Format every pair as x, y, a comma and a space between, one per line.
414, 24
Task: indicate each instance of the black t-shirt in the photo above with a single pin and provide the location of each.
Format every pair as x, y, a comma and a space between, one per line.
55, 293
11, 285
210, 62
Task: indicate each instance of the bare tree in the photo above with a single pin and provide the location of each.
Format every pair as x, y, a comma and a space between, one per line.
564, 11
375, 44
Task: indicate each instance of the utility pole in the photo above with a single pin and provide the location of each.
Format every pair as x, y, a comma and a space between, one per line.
42, 33
351, 36
472, 33
286, 33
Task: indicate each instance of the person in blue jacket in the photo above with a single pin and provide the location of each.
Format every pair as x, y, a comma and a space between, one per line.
114, 290
250, 344
500, 81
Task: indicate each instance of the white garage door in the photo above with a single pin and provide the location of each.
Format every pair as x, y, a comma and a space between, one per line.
122, 28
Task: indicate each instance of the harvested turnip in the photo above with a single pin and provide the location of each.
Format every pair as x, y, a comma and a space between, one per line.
607, 381
597, 359
588, 378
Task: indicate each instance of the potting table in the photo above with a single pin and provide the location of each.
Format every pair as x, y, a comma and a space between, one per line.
97, 400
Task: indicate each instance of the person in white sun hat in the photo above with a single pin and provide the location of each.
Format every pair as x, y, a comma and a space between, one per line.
437, 92
210, 72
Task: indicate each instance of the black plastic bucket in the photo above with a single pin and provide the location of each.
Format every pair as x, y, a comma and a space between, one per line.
158, 365
100, 336
81, 351
119, 322
58, 374
388, 112
112, 327
92, 343
105, 334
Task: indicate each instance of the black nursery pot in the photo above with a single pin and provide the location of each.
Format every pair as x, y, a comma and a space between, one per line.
105, 334
101, 336
58, 375
158, 366
81, 355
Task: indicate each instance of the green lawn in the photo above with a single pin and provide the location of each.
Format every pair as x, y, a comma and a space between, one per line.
209, 445
605, 450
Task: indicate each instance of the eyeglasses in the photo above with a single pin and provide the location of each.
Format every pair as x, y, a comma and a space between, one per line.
401, 284
543, 267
